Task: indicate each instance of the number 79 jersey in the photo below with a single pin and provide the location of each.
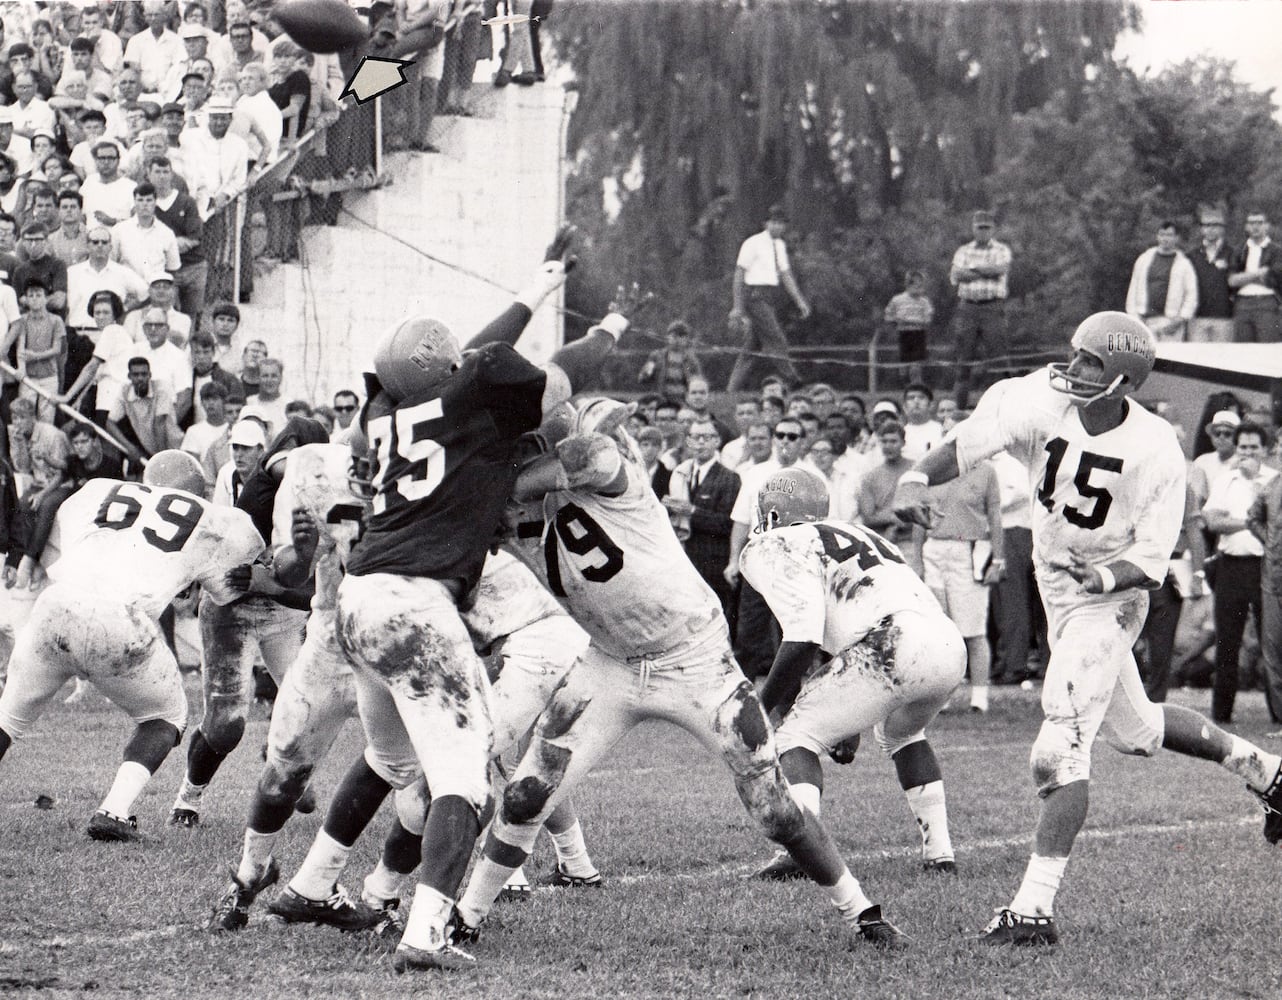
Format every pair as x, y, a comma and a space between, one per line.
831, 583
1097, 497
144, 544
621, 571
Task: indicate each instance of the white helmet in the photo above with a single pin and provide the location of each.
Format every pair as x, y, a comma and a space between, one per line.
600, 415
174, 469
1122, 344
415, 355
791, 496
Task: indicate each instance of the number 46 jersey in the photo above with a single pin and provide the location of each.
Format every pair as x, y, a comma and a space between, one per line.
830, 582
1099, 497
145, 544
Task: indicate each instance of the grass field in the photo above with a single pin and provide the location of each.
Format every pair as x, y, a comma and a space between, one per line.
1172, 891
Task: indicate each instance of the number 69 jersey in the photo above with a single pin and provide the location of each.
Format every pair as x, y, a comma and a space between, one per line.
621, 571
830, 582
1099, 497
144, 544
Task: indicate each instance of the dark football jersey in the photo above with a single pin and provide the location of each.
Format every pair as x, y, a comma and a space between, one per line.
445, 463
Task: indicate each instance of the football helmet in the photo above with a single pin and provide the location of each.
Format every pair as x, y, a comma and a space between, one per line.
1122, 344
359, 474
791, 496
415, 355
177, 470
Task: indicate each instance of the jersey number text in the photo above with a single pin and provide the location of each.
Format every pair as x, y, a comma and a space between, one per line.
580, 534
408, 460
867, 552
179, 515
1089, 463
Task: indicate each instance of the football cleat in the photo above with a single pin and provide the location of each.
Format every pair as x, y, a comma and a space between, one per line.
459, 931
184, 817
782, 869
440, 954
940, 866
339, 910
876, 929
306, 804
1009, 927
1271, 798
104, 826
232, 911
392, 925
564, 880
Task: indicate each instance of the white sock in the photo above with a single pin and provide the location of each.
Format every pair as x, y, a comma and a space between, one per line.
1252, 764
130, 780
1036, 896
928, 806
320, 869
255, 856
572, 852
189, 796
488, 877
848, 897
806, 795
428, 913
979, 696
382, 884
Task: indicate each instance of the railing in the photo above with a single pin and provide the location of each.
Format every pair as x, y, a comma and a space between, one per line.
304, 186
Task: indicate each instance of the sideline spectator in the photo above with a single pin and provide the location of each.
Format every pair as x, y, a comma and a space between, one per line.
963, 558
291, 90
847, 468
200, 435
108, 194
160, 295
877, 492
178, 210
669, 369
696, 400
1212, 261
746, 413
650, 442
42, 350
921, 431
909, 314
1264, 520
100, 273
203, 370
167, 363
346, 405
268, 400
141, 242
142, 416
247, 443
225, 319
257, 104
103, 377
1237, 565
157, 49
1257, 280
758, 446
1218, 463
90, 459
1163, 289
218, 160
31, 111
761, 271
251, 356
29, 438
108, 50
40, 263
70, 241
979, 272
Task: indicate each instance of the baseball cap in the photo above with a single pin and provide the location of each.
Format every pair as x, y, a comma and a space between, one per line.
1226, 418
248, 433
193, 75
189, 30
983, 218
154, 276
885, 406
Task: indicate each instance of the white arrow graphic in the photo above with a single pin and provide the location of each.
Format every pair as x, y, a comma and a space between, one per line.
374, 76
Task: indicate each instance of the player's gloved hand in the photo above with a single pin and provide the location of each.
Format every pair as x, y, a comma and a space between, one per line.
1088, 576
844, 752
239, 577
304, 535
560, 247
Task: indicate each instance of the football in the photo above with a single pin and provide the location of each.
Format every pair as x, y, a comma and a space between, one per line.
321, 26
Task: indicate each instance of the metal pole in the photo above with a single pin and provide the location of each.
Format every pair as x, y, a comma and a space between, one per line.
378, 136
63, 408
238, 226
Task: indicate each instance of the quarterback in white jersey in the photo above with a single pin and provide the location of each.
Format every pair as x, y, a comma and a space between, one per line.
660, 650
126, 550
1108, 484
891, 657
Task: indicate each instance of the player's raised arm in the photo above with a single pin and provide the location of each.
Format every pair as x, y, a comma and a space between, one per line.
586, 445
507, 326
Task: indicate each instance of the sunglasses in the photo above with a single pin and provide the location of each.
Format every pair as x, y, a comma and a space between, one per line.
344, 409
787, 436
1221, 434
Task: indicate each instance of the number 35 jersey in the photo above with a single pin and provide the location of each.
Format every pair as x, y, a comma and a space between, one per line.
621, 571
445, 464
829, 582
1097, 497
144, 544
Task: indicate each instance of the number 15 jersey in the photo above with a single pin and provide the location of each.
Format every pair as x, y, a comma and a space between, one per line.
1099, 497
144, 544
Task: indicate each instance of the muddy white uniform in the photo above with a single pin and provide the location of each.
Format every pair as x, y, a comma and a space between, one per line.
540, 642
126, 550
895, 655
660, 650
1101, 498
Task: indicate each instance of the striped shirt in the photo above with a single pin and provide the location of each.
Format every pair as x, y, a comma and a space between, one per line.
909, 312
970, 255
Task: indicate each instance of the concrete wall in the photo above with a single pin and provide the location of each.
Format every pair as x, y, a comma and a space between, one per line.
485, 208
